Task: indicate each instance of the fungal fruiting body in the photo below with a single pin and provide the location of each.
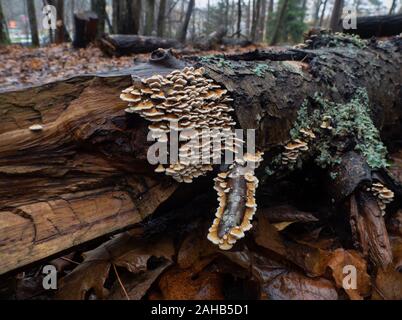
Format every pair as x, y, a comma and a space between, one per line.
383, 195
237, 204
294, 148
197, 111
188, 104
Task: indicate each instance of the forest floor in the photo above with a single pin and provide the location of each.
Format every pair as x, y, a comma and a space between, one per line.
22, 67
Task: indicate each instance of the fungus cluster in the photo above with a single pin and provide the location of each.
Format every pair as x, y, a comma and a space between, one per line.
294, 148
237, 205
186, 102
198, 111
383, 195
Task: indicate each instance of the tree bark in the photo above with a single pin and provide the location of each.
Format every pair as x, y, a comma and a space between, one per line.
255, 20
161, 18
323, 12
336, 15
150, 17
184, 27
261, 22
393, 7
269, 19
99, 7
4, 39
238, 27
316, 15
279, 22
33, 25
85, 173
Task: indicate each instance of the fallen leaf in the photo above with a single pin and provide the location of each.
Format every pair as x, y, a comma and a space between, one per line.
179, 284
125, 251
388, 285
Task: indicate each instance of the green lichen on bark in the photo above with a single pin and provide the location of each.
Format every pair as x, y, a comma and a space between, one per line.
338, 128
261, 68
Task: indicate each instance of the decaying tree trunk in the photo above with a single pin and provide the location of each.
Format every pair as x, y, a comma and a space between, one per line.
120, 45
83, 172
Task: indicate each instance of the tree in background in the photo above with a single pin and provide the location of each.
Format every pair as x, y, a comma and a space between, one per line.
261, 21
238, 26
99, 7
336, 16
270, 18
33, 24
149, 17
393, 7
288, 25
161, 18
126, 16
184, 27
4, 39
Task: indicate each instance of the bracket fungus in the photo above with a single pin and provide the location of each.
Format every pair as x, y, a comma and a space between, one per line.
237, 205
383, 195
198, 110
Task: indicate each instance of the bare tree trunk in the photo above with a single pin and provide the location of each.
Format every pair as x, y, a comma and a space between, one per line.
279, 22
323, 12
133, 18
261, 22
33, 25
161, 18
184, 27
150, 17
60, 36
115, 17
269, 18
248, 18
238, 30
256, 18
393, 7
304, 9
226, 20
4, 39
316, 14
336, 15
99, 7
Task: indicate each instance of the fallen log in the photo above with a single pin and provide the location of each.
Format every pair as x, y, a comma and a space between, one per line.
120, 45
82, 172
217, 39
377, 26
